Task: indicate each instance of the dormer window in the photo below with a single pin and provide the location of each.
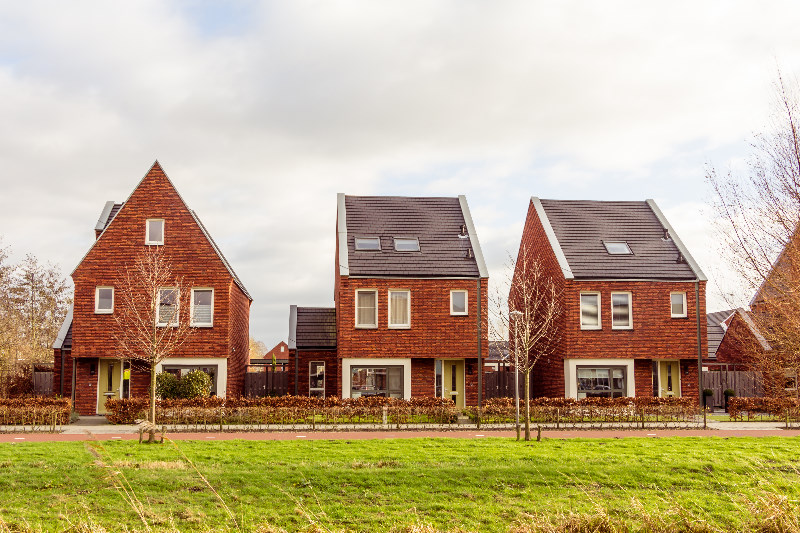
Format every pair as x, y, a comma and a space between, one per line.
617, 248
406, 245
368, 244
154, 231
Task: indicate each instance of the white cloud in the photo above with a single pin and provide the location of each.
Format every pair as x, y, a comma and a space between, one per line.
261, 112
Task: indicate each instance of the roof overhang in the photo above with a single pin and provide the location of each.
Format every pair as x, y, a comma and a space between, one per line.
62, 333
551, 236
698, 272
473, 237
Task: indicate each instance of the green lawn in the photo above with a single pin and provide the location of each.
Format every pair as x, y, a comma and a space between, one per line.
482, 484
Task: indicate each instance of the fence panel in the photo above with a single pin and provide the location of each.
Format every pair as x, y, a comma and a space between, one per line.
43, 383
265, 380
744, 384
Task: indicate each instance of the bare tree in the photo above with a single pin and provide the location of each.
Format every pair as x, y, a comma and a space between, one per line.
530, 316
758, 213
151, 313
257, 349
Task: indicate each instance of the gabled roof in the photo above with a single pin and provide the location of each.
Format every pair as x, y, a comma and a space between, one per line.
448, 243
111, 209
716, 329
312, 327
577, 230
64, 338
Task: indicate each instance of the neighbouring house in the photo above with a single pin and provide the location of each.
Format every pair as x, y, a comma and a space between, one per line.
278, 355
633, 300
410, 311
88, 366
734, 339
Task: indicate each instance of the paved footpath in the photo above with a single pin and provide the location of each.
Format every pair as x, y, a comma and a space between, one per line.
94, 430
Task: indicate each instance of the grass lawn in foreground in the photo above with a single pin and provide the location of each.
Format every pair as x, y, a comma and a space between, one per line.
368, 485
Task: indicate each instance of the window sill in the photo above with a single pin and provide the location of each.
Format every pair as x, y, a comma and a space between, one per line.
366, 327
459, 314
201, 325
679, 316
622, 328
103, 312
591, 328
408, 326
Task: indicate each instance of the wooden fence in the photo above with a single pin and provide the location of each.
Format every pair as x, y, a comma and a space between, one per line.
265, 380
744, 384
42, 383
500, 384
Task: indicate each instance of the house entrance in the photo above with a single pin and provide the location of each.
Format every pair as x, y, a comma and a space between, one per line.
109, 380
669, 379
450, 373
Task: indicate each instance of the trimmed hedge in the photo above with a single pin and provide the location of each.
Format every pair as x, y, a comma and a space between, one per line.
780, 407
285, 410
38, 411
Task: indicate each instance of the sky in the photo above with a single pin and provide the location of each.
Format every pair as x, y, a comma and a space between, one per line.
260, 112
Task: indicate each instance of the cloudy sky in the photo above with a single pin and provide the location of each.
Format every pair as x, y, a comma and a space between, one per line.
260, 112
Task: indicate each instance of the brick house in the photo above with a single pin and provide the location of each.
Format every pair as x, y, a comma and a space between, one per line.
88, 367
632, 299
410, 313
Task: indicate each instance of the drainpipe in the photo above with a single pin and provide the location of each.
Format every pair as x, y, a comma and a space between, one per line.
699, 343
480, 363
296, 371
62, 373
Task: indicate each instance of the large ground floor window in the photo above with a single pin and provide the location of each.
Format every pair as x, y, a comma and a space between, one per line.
601, 382
376, 381
181, 370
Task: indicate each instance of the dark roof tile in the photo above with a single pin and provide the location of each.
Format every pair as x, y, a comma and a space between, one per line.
316, 327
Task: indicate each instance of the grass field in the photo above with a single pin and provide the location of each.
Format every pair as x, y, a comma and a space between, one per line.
443, 484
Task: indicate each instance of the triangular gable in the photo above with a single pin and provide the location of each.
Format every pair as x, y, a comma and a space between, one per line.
155, 169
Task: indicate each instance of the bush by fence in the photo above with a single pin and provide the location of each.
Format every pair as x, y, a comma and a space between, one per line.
606, 411
286, 410
38, 412
784, 408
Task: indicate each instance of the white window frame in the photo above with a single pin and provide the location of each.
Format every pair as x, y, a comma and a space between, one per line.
466, 303
147, 239
406, 325
324, 377
367, 326
191, 309
630, 310
366, 249
97, 309
174, 322
685, 310
398, 240
599, 324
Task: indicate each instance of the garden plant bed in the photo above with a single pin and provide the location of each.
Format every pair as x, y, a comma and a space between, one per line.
484, 484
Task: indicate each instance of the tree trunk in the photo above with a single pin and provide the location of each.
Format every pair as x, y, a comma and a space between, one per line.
527, 405
153, 392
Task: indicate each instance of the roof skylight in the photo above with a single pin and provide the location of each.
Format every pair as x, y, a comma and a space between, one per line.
406, 245
368, 243
617, 247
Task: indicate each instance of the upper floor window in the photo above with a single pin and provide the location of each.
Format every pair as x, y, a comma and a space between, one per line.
167, 312
617, 247
366, 308
399, 309
458, 302
621, 310
202, 307
590, 310
104, 300
677, 304
154, 231
406, 245
368, 244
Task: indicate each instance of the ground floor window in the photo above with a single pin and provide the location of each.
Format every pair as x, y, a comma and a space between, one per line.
181, 370
316, 379
601, 382
376, 381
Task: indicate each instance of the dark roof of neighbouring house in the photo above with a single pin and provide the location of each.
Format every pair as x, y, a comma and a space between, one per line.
579, 228
312, 327
110, 210
498, 351
64, 337
448, 243
716, 329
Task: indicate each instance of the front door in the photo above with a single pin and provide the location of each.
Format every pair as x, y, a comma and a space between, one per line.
453, 381
669, 379
109, 377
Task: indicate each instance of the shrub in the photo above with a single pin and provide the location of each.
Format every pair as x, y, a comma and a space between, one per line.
39, 411
166, 385
195, 384
783, 407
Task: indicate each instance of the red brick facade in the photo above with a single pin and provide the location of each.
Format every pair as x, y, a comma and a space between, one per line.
192, 258
654, 334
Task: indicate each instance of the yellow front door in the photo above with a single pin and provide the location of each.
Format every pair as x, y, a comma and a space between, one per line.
669, 379
453, 381
109, 376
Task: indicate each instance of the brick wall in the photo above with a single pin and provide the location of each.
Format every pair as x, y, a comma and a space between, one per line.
192, 258
332, 371
86, 387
